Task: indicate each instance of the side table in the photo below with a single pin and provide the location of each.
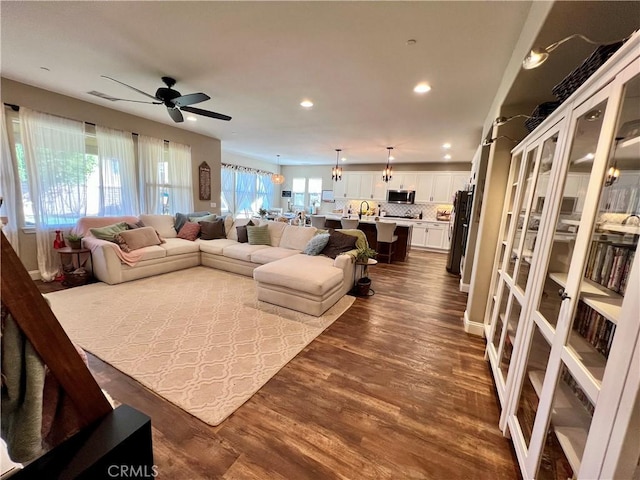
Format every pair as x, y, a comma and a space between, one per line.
71, 259
359, 289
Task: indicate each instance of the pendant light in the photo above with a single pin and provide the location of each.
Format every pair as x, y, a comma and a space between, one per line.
336, 172
387, 173
277, 178
613, 173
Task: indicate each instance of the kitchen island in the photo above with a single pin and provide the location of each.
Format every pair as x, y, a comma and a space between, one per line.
404, 229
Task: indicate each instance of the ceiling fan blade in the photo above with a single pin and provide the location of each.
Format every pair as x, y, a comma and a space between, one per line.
175, 114
129, 86
104, 96
206, 113
190, 99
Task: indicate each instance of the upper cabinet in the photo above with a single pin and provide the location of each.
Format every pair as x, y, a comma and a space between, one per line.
562, 321
403, 181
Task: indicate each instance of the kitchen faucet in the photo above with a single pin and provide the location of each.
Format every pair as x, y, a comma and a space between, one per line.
361, 203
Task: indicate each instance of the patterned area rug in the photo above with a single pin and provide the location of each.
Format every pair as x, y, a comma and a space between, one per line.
198, 337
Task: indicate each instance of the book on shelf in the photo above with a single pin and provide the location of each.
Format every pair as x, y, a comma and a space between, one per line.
570, 382
594, 328
609, 264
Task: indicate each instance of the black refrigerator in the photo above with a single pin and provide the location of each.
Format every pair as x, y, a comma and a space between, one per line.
458, 227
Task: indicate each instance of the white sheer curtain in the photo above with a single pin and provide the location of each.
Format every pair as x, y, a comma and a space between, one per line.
8, 191
180, 178
245, 191
57, 168
118, 192
265, 190
227, 192
151, 155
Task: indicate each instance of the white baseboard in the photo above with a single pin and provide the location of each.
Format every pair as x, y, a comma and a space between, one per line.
35, 274
464, 287
474, 328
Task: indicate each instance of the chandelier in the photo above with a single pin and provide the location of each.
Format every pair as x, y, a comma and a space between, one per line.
387, 173
277, 178
336, 172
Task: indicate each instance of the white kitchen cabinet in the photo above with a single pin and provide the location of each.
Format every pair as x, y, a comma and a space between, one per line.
379, 189
424, 187
418, 235
562, 322
340, 188
459, 181
432, 235
352, 184
403, 181
441, 192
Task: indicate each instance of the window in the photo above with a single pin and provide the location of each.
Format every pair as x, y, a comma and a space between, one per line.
306, 192
298, 191
245, 191
315, 191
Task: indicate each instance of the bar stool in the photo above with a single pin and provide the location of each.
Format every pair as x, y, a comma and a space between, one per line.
349, 223
385, 236
318, 221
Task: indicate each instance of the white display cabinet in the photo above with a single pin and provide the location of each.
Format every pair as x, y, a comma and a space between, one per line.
562, 322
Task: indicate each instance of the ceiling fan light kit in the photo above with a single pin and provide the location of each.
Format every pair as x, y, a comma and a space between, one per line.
170, 98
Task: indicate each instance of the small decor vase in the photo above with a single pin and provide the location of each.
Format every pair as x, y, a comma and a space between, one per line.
59, 240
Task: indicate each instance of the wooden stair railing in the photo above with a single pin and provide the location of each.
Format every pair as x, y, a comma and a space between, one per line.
32, 314
111, 443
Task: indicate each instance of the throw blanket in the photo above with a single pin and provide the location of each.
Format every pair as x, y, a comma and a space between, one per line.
84, 226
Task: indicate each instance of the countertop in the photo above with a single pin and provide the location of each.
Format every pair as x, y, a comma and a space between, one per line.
406, 222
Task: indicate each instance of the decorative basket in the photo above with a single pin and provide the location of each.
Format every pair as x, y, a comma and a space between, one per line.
75, 278
572, 82
538, 115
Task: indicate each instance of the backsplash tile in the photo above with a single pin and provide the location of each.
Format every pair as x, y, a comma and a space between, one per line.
428, 209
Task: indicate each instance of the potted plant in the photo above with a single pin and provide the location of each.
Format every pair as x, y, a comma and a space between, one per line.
74, 241
363, 284
262, 212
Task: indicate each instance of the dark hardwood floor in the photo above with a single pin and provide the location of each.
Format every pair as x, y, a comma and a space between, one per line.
393, 389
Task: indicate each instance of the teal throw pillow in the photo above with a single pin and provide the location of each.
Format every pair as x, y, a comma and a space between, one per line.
258, 235
109, 232
182, 218
317, 244
203, 218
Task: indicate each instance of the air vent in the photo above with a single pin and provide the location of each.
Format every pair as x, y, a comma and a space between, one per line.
103, 95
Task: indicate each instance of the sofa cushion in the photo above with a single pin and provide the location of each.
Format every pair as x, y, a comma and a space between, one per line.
258, 235
212, 230
162, 223
189, 231
242, 251
241, 232
276, 230
138, 238
109, 232
338, 243
215, 247
271, 254
152, 252
232, 233
296, 238
179, 246
182, 218
316, 244
313, 275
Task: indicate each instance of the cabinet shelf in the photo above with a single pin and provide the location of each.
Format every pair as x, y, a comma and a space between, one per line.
617, 228
569, 420
601, 299
588, 356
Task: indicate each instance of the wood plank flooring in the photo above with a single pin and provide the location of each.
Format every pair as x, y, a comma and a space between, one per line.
394, 389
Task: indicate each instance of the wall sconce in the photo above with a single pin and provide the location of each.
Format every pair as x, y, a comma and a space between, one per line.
498, 122
486, 143
537, 56
387, 173
336, 172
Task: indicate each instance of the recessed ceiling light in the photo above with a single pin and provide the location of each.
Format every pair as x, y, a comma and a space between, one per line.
411, 41
192, 119
446, 146
422, 88
306, 103
447, 157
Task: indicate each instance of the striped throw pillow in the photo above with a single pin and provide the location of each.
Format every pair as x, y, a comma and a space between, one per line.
258, 235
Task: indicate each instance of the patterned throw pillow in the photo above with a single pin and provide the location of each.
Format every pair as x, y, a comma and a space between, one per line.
242, 232
258, 235
189, 231
317, 244
182, 218
212, 230
338, 243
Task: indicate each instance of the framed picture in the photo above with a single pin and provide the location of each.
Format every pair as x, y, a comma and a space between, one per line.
286, 193
204, 181
327, 196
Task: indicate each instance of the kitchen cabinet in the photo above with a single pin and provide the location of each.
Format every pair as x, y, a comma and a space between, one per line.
424, 187
432, 235
459, 181
352, 184
372, 187
340, 188
561, 324
403, 181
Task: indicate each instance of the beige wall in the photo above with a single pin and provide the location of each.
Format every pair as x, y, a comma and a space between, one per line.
203, 148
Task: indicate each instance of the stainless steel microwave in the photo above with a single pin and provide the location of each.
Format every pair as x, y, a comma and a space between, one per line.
401, 196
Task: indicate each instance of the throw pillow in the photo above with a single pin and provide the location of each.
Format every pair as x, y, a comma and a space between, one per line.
182, 218
338, 243
203, 218
109, 232
317, 244
137, 238
212, 230
189, 231
133, 226
258, 235
241, 231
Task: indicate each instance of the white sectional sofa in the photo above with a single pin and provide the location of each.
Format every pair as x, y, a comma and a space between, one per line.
285, 276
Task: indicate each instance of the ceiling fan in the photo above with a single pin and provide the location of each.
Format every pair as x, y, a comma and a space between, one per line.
172, 99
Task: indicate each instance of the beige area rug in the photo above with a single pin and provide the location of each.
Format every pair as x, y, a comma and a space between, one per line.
198, 337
